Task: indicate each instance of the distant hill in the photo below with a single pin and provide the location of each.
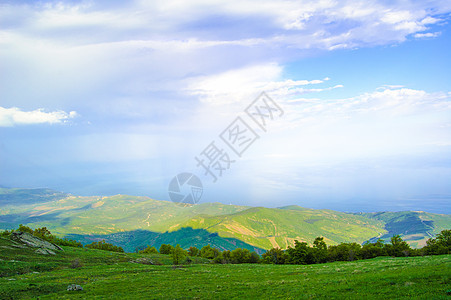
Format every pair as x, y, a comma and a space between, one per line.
16, 196
135, 221
415, 226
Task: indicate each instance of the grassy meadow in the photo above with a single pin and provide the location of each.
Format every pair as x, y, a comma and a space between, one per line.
108, 275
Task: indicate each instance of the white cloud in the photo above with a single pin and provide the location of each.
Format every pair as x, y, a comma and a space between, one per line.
238, 85
303, 24
385, 125
386, 102
427, 35
15, 116
137, 50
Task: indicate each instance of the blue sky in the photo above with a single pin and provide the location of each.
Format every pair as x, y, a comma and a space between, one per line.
108, 97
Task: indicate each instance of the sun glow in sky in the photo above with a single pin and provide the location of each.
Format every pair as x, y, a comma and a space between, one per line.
108, 97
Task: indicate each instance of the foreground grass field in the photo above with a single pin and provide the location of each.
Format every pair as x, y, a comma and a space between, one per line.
117, 276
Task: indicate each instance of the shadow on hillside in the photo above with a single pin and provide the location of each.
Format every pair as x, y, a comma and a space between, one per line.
186, 237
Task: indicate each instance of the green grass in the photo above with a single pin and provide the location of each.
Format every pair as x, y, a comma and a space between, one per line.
107, 275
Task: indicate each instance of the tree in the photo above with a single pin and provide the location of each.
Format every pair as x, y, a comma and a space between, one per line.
209, 252
371, 250
444, 238
178, 254
254, 258
319, 250
23, 228
43, 233
397, 247
240, 256
166, 249
102, 245
274, 256
440, 245
344, 252
193, 251
149, 250
226, 257
301, 254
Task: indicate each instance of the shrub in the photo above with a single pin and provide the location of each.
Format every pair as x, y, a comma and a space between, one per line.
67, 242
75, 264
149, 250
102, 245
23, 228
5, 233
46, 235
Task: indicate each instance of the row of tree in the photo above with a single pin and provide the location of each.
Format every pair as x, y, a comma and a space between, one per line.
319, 252
302, 253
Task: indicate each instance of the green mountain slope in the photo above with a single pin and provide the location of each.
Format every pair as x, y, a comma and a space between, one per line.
268, 227
255, 226
413, 226
104, 215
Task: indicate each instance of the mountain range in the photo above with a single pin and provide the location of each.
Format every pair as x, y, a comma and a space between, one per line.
134, 222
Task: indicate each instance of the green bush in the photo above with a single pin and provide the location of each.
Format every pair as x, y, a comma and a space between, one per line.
46, 235
5, 233
102, 245
149, 250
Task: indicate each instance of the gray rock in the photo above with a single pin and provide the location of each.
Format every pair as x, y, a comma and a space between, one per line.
44, 251
144, 261
74, 287
30, 240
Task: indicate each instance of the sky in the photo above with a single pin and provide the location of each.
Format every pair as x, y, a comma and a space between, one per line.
119, 97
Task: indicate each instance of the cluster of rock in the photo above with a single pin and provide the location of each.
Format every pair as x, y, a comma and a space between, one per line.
74, 287
144, 261
27, 239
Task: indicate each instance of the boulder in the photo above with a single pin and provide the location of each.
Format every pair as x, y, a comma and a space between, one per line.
30, 240
144, 261
44, 251
74, 287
